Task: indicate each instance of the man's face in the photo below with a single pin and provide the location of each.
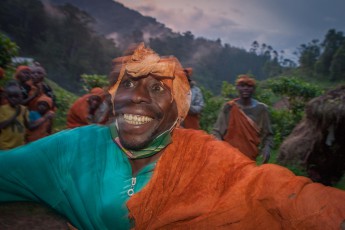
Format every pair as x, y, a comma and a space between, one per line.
245, 90
42, 107
94, 102
144, 108
24, 75
14, 95
37, 74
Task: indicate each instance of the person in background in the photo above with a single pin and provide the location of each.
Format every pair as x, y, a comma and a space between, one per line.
29, 91
42, 118
245, 122
82, 111
143, 172
14, 118
38, 74
192, 121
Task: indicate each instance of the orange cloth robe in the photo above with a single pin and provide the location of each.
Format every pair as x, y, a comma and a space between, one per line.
42, 131
78, 113
244, 133
203, 183
192, 121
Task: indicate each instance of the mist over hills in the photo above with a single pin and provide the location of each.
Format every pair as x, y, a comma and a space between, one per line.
118, 22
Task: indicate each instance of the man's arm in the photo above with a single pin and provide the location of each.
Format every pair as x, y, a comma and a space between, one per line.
266, 135
197, 103
298, 202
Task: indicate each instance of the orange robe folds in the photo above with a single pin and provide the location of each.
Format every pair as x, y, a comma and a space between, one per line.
78, 113
191, 122
42, 131
203, 183
242, 132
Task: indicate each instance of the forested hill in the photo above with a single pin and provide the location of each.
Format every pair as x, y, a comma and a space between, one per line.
121, 23
71, 38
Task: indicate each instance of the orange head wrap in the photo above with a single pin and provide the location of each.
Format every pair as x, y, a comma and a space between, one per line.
20, 69
46, 99
97, 91
145, 61
245, 79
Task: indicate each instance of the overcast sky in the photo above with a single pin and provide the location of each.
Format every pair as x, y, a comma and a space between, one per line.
283, 24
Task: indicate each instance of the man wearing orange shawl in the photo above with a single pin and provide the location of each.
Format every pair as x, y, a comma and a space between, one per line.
192, 120
143, 172
244, 122
83, 110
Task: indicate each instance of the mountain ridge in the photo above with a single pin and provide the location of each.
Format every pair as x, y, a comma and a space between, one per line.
118, 22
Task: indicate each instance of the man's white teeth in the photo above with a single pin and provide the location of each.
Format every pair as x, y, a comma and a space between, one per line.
136, 119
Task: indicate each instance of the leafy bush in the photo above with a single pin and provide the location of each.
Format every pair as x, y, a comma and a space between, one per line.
8, 50
210, 112
94, 80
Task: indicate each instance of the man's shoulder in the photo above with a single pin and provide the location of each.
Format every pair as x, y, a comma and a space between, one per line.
85, 132
261, 104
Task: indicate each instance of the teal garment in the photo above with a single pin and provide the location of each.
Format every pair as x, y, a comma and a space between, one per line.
81, 173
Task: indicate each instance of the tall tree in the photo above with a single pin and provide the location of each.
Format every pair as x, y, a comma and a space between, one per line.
309, 54
337, 69
333, 40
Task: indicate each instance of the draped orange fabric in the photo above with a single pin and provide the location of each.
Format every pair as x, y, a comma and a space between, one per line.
78, 113
203, 183
242, 132
40, 132
191, 122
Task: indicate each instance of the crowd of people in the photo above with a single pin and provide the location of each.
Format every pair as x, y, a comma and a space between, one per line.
28, 106
144, 169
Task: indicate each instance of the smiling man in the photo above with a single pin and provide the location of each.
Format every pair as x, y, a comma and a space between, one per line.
144, 172
245, 122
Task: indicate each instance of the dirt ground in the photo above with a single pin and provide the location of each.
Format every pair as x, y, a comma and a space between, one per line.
30, 216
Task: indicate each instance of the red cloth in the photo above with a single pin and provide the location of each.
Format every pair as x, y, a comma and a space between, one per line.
203, 183
78, 113
42, 131
242, 132
191, 122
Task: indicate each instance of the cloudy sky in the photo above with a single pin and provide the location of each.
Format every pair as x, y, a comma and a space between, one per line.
283, 24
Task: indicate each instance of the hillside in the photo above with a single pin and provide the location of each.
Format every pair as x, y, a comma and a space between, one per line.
116, 21
72, 37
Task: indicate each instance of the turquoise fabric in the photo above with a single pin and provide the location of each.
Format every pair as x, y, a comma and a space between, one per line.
81, 173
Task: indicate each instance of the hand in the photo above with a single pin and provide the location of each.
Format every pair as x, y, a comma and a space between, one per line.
49, 115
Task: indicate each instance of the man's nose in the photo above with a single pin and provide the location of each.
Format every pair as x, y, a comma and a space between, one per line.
141, 94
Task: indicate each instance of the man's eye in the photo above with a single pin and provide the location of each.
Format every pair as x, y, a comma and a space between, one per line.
158, 88
127, 83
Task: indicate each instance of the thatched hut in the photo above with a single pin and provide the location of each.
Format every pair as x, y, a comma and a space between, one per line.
317, 143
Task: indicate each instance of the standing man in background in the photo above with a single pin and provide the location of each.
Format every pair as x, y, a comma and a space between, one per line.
192, 121
245, 122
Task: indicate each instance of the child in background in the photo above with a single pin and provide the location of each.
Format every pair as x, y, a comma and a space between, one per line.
14, 118
42, 119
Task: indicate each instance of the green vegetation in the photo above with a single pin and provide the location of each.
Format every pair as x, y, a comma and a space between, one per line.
8, 49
